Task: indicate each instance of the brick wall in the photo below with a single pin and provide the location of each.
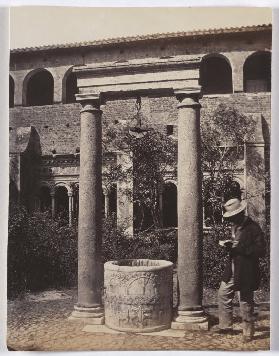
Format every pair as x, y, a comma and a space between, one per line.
58, 125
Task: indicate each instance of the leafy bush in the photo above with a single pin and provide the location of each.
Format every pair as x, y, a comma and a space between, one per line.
117, 244
214, 258
42, 252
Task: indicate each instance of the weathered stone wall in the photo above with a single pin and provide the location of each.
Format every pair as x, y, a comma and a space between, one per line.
58, 125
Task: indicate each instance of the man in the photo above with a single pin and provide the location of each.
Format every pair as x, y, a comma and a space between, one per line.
242, 270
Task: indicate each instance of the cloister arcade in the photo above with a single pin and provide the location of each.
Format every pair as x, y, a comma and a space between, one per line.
61, 199
216, 77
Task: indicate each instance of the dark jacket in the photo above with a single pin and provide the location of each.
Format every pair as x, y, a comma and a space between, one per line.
245, 257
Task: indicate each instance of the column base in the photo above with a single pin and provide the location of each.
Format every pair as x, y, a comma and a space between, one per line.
93, 315
190, 320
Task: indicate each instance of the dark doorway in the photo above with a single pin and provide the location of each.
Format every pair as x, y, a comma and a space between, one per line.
170, 205
216, 76
62, 202
257, 73
71, 88
45, 199
112, 208
40, 89
11, 92
75, 202
13, 192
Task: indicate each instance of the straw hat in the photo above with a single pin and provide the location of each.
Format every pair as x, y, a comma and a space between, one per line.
233, 207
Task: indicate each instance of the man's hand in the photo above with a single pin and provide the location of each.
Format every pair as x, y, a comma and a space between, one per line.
226, 243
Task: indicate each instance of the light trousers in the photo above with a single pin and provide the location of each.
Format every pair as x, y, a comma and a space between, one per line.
225, 304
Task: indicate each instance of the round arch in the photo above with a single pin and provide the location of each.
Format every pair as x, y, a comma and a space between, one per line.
63, 184
61, 195
44, 195
69, 87
11, 91
216, 74
257, 72
38, 88
169, 213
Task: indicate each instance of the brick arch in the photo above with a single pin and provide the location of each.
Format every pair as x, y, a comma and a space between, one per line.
69, 86
167, 181
61, 196
63, 184
216, 74
38, 88
169, 195
11, 91
257, 72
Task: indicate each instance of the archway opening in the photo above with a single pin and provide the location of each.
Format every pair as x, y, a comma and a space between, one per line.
216, 76
71, 88
40, 89
45, 198
11, 92
170, 205
257, 73
112, 201
13, 192
62, 202
75, 201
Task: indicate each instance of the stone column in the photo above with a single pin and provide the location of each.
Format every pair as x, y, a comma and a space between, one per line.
90, 271
256, 168
124, 192
106, 195
70, 197
190, 231
52, 194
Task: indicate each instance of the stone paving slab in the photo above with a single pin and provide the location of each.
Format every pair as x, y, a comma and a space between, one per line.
43, 326
106, 330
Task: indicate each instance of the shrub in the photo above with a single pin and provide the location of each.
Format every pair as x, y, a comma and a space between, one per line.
42, 252
214, 258
154, 244
17, 249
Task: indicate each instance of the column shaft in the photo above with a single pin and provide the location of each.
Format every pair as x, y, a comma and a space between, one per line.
189, 206
190, 230
90, 208
53, 204
70, 196
106, 204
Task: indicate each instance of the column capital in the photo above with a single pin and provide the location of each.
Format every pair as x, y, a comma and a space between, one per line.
188, 97
89, 101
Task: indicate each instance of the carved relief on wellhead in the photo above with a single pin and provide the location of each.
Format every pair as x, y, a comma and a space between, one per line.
138, 295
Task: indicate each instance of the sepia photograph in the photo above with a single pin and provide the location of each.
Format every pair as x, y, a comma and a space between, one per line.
139, 178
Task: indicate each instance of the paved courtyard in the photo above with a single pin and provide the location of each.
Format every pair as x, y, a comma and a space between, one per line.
39, 322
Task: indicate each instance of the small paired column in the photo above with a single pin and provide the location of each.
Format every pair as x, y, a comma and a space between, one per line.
52, 194
124, 191
70, 197
190, 230
106, 195
90, 272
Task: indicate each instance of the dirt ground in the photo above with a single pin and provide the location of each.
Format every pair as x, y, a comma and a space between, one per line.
39, 322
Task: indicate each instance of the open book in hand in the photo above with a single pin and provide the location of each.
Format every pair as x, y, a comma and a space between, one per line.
225, 243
